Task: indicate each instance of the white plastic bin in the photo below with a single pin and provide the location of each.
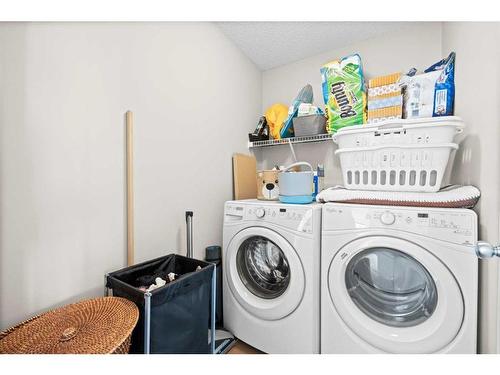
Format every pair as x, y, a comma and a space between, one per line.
309, 125
433, 130
397, 155
397, 167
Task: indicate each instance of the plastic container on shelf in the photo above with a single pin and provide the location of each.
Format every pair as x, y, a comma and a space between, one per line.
433, 130
309, 125
396, 167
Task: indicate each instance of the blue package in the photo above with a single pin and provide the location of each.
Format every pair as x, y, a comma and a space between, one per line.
316, 185
444, 89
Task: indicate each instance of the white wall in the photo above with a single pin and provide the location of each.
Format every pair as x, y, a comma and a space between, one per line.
64, 89
418, 46
477, 80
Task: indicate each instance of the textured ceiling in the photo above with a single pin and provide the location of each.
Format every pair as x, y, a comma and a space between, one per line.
271, 44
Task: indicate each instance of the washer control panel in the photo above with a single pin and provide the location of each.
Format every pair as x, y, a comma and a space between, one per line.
447, 224
295, 218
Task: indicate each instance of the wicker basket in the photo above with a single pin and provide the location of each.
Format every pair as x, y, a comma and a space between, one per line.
95, 326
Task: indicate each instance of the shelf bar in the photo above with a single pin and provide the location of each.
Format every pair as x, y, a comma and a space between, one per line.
288, 141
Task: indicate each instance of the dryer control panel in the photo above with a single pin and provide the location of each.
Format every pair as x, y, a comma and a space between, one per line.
297, 218
448, 224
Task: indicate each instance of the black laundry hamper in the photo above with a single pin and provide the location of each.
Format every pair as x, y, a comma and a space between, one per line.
173, 318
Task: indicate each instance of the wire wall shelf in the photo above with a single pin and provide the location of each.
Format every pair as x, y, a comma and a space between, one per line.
289, 141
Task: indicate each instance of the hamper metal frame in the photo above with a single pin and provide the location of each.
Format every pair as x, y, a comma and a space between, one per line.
147, 313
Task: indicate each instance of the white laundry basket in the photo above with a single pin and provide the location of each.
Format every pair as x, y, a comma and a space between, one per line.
397, 155
431, 130
415, 167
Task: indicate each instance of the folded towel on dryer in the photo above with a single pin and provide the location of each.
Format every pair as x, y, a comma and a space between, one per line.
452, 196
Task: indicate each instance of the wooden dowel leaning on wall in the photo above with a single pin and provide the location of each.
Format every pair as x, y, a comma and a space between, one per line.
129, 119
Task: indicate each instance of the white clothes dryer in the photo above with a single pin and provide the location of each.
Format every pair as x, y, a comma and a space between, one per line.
271, 267
398, 280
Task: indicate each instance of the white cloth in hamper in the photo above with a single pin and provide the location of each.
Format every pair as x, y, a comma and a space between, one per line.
453, 196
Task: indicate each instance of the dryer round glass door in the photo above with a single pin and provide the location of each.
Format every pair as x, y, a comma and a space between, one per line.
264, 273
395, 295
391, 287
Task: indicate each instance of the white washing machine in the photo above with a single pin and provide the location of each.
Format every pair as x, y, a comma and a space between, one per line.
271, 266
398, 280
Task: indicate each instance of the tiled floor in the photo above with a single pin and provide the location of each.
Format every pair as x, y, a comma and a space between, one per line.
241, 348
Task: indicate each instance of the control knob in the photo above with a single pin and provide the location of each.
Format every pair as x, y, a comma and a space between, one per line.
260, 212
387, 218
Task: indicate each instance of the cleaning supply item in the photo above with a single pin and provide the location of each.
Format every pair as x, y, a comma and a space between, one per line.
320, 172
307, 109
431, 93
344, 92
275, 116
389, 101
384, 114
296, 186
305, 95
261, 132
385, 99
384, 80
315, 183
319, 177
390, 89
444, 90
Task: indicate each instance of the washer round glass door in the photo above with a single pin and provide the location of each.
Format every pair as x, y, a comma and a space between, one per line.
395, 295
263, 267
264, 273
